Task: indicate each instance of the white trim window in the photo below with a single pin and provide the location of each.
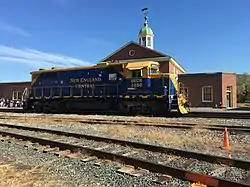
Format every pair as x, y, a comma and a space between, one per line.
207, 94
149, 41
16, 95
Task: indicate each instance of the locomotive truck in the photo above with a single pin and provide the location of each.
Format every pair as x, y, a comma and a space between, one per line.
126, 87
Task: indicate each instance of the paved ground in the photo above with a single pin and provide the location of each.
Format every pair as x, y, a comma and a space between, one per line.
233, 110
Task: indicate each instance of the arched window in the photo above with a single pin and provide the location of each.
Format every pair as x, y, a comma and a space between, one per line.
149, 41
144, 41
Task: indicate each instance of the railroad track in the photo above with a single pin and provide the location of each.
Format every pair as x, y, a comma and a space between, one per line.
219, 114
177, 125
158, 159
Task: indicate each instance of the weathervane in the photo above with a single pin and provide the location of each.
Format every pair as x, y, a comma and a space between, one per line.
145, 11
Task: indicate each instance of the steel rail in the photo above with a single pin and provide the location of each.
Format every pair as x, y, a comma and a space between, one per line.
153, 167
171, 125
188, 154
177, 125
198, 114
221, 114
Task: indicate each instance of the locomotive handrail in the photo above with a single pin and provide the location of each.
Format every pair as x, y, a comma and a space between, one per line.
82, 90
60, 91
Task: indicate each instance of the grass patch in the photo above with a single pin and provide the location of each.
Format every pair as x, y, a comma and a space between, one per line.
25, 176
198, 138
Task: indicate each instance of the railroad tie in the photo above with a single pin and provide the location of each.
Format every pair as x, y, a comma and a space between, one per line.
163, 179
101, 148
218, 171
247, 179
130, 170
40, 147
30, 144
103, 162
189, 163
89, 158
169, 159
75, 155
63, 153
129, 153
49, 149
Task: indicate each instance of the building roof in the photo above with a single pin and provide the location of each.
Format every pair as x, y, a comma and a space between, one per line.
16, 82
205, 73
143, 47
146, 30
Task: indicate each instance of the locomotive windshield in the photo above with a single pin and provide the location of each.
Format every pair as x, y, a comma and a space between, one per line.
136, 73
153, 69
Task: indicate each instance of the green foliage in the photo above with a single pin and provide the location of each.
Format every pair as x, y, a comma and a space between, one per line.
243, 88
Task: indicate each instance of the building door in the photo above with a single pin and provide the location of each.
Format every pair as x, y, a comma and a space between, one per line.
229, 96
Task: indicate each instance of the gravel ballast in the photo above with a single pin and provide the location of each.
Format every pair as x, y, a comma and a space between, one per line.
241, 122
183, 163
77, 173
208, 142
205, 141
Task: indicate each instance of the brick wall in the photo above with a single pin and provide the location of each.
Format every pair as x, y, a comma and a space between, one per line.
218, 82
12, 89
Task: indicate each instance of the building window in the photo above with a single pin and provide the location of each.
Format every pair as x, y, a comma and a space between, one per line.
16, 95
229, 88
144, 41
207, 94
149, 41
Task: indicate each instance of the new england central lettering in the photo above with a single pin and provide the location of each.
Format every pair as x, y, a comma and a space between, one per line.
85, 80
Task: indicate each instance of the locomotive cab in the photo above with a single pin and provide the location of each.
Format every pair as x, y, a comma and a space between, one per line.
146, 80
138, 74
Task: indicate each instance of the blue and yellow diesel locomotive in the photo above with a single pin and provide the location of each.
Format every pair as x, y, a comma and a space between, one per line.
126, 87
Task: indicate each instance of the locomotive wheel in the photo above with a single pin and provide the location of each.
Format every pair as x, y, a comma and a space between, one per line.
38, 107
46, 108
61, 107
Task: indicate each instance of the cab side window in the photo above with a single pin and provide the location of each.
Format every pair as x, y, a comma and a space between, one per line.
152, 71
136, 73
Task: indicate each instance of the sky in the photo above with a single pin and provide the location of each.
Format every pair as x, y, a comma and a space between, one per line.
203, 36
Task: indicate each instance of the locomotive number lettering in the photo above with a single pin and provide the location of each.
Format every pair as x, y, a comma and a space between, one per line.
136, 80
136, 83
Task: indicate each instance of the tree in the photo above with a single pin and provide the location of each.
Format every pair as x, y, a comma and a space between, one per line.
243, 88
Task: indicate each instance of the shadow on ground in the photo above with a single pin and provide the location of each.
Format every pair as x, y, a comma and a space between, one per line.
240, 108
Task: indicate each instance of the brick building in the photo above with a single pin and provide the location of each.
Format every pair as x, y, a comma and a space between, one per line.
210, 89
203, 89
13, 90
